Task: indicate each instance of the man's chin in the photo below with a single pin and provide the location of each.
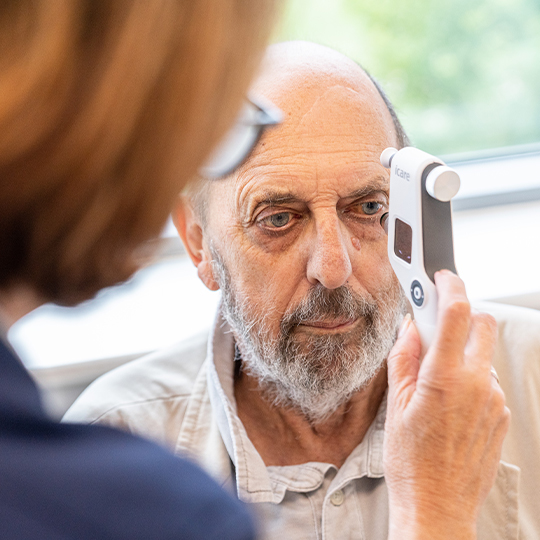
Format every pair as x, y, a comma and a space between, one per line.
321, 398
315, 374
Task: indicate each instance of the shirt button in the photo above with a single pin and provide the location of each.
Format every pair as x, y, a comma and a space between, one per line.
337, 498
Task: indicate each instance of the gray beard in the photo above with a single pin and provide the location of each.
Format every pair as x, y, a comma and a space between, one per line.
313, 374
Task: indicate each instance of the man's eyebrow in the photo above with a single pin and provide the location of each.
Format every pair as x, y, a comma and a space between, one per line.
379, 185
275, 198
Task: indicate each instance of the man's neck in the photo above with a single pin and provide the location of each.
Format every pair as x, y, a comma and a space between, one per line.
286, 437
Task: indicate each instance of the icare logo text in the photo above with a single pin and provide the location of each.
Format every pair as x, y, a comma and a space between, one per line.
403, 174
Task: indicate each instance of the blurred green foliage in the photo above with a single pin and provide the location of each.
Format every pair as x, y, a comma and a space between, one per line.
463, 74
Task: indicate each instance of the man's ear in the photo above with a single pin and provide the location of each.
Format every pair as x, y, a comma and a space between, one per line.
191, 232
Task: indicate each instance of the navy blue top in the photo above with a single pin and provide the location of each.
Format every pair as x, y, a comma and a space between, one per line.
69, 481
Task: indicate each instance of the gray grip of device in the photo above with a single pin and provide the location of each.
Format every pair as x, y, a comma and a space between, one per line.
436, 231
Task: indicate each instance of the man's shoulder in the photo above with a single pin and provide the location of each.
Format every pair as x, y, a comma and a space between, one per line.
509, 313
517, 361
517, 356
143, 390
519, 335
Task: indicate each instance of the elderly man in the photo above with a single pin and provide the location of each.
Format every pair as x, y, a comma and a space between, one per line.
286, 400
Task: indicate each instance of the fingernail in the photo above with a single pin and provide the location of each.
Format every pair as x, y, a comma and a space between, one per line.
445, 272
404, 325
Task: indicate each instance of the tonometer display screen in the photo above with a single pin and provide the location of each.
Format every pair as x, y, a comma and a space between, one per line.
403, 241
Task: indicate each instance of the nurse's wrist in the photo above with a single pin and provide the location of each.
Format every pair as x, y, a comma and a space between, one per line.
422, 524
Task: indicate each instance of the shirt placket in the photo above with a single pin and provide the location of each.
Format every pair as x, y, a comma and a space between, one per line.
341, 517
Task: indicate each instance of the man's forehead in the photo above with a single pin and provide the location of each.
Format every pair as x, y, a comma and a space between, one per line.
334, 144
337, 118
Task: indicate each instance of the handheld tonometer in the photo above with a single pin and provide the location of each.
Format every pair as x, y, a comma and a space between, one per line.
419, 229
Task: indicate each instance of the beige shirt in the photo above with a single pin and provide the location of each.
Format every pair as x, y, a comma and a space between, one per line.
184, 398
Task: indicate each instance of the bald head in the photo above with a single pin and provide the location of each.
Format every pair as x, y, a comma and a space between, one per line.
295, 72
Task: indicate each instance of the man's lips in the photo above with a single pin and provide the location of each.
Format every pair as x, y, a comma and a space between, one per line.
336, 324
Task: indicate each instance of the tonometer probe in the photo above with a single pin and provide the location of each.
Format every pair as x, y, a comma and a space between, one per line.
419, 226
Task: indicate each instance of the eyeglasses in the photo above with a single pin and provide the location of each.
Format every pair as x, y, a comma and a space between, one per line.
256, 115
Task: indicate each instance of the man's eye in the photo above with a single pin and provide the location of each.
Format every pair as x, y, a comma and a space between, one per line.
279, 220
371, 208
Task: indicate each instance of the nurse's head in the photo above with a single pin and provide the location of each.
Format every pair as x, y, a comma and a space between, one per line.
107, 109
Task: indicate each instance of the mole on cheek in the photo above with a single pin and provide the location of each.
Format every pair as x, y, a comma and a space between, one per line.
356, 243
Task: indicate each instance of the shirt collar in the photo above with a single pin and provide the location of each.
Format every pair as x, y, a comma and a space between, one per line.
256, 482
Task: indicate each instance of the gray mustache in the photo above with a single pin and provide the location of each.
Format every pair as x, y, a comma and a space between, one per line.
322, 303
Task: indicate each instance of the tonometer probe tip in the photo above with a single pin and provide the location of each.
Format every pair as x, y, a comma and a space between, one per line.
386, 157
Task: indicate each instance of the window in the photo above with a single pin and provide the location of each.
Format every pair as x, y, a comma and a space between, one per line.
463, 75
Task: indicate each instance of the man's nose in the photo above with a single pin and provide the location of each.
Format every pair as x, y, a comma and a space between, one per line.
329, 262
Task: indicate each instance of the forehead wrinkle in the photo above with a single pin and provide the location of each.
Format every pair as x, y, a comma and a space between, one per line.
369, 100
277, 159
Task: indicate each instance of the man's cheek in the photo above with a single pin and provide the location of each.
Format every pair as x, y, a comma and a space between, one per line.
374, 269
262, 293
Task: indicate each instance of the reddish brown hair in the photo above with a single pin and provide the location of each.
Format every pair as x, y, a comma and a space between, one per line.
107, 109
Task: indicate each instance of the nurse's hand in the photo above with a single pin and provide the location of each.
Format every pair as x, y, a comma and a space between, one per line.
446, 422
